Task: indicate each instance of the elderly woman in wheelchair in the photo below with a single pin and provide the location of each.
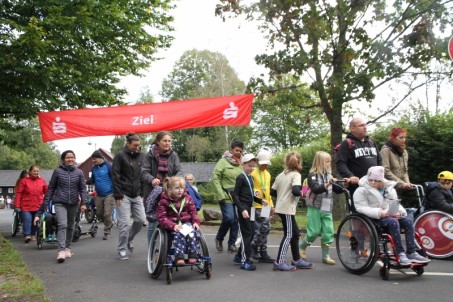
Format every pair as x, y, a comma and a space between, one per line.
376, 198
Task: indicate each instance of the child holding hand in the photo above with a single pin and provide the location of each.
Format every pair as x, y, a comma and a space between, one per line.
176, 211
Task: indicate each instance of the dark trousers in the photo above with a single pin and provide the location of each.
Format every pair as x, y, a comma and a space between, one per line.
246, 232
290, 238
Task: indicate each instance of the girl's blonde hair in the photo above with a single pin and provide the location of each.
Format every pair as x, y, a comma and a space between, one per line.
173, 182
319, 166
293, 161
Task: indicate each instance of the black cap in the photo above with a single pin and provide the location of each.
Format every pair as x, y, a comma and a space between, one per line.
97, 154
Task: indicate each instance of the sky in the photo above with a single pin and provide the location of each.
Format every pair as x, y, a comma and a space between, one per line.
196, 27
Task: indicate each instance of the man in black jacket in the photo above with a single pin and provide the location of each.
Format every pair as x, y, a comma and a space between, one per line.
440, 195
127, 191
356, 154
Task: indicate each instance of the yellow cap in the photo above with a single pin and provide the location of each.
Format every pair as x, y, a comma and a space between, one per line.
447, 175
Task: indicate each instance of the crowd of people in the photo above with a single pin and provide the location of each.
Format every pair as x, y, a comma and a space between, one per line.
150, 189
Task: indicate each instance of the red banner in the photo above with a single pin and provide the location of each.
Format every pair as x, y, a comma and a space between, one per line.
176, 115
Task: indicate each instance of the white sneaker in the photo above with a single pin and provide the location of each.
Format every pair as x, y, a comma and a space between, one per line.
61, 256
417, 258
403, 259
68, 253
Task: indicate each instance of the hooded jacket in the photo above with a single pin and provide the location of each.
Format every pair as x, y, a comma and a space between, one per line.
355, 159
370, 201
126, 174
168, 217
439, 199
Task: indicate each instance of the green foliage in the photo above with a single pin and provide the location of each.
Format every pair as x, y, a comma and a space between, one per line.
348, 49
201, 74
286, 118
71, 54
21, 146
207, 192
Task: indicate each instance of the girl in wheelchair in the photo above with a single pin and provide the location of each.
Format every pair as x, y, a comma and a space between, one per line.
376, 198
177, 213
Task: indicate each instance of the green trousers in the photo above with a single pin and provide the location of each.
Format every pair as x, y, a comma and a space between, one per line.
319, 224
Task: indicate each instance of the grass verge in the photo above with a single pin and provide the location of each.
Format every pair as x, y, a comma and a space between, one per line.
17, 283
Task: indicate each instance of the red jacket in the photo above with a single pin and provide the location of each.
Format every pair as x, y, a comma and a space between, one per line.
30, 194
168, 218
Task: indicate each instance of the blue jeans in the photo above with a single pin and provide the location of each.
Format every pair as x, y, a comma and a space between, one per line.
151, 227
229, 222
27, 223
393, 225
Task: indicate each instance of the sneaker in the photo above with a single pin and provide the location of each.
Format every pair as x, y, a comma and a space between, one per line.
180, 262
302, 264
33, 238
192, 260
237, 259
106, 236
284, 267
265, 258
248, 266
122, 255
130, 247
27, 239
49, 238
219, 245
417, 258
68, 253
232, 248
403, 259
61, 256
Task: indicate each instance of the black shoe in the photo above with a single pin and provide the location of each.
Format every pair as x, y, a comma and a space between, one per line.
232, 248
265, 258
255, 255
219, 245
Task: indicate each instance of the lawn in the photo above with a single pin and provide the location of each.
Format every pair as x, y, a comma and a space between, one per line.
17, 283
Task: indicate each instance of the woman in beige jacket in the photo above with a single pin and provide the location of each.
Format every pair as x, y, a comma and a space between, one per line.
395, 157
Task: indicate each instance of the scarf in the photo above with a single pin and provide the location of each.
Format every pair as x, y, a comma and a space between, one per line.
395, 148
229, 158
162, 161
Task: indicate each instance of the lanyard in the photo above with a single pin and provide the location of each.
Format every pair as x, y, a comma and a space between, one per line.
263, 184
250, 186
180, 209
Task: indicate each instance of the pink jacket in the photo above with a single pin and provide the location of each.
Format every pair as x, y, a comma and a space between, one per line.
168, 217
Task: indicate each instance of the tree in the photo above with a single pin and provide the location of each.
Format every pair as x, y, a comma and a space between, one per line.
283, 119
64, 54
21, 146
348, 49
201, 74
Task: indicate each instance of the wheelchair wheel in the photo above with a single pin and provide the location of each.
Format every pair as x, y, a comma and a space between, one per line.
39, 234
419, 270
357, 244
93, 230
202, 267
169, 275
384, 272
157, 252
89, 215
435, 231
15, 225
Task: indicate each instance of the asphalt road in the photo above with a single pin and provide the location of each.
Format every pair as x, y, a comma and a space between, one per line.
94, 274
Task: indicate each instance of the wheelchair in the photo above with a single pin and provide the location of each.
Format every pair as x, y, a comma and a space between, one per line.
16, 224
92, 231
435, 229
43, 234
361, 242
161, 255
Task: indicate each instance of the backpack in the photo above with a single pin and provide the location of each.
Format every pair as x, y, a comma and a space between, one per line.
195, 196
351, 145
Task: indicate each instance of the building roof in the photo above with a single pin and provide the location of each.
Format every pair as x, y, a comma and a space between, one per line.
201, 171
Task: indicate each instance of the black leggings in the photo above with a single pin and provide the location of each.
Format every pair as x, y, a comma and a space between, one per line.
290, 238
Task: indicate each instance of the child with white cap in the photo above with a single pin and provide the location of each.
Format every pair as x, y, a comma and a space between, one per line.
373, 198
243, 197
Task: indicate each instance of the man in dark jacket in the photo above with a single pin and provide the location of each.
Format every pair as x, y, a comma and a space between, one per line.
357, 153
127, 191
101, 177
